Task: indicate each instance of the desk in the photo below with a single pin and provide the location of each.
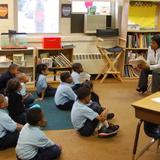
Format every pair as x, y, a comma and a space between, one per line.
146, 110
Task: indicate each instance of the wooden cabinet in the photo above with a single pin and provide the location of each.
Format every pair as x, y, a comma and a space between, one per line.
53, 52
24, 58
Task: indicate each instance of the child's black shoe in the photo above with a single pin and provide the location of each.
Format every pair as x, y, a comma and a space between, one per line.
107, 132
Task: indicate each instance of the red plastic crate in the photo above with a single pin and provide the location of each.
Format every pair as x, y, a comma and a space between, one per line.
52, 42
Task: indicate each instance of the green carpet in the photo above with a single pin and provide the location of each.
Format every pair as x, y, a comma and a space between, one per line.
57, 119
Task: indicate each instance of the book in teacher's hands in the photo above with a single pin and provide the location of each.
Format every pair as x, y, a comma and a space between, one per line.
138, 61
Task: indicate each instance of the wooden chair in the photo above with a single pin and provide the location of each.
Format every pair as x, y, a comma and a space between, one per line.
111, 58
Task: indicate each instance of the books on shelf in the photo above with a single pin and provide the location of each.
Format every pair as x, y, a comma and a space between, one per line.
129, 71
139, 40
57, 61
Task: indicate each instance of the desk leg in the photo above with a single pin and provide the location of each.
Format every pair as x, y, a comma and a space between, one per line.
136, 139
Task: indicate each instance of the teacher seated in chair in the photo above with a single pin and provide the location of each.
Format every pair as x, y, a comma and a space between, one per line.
153, 62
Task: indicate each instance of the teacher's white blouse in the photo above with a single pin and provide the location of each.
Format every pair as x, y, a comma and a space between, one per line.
153, 59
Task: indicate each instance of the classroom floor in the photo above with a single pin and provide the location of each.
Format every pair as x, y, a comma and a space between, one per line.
118, 98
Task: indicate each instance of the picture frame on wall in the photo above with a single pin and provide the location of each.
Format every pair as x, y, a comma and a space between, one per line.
66, 10
3, 11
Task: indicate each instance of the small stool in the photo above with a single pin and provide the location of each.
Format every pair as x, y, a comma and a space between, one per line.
110, 57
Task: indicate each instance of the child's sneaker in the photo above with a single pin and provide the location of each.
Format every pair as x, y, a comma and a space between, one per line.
110, 116
110, 131
113, 127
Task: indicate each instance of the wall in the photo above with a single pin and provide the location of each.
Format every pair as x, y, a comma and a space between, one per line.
6, 24
83, 44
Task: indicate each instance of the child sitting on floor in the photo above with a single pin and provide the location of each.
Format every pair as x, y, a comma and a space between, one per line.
78, 75
9, 130
16, 106
28, 99
65, 96
95, 97
86, 117
32, 142
43, 89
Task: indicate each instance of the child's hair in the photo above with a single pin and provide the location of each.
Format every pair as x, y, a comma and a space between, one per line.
76, 66
39, 68
64, 76
12, 66
156, 38
88, 84
2, 98
21, 76
34, 115
12, 85
83, 92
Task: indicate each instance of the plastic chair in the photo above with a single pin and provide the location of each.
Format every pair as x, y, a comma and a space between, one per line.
110, 57
152, 130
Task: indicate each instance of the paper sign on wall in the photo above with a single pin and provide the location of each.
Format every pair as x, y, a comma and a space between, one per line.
3, 11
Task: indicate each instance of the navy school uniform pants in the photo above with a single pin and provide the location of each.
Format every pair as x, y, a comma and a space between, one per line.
143, 79
50, 92
89, 126
9, 140
66, 106
49, 153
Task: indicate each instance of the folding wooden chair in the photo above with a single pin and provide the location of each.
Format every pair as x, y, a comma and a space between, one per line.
110, 57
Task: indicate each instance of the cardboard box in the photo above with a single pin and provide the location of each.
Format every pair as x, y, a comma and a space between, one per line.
52, 42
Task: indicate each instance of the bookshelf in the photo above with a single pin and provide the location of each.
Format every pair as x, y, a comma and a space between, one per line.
58, 58
24, 58
143, 22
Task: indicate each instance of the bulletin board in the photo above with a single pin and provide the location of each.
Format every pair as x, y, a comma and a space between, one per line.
145, 16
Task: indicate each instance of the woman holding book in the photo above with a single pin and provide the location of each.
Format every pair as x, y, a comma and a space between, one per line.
153, 63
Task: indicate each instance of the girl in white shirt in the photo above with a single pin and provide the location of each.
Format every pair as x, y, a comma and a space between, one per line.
153, 63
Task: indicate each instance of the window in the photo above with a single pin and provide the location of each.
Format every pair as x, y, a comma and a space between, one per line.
38, 16
102, 7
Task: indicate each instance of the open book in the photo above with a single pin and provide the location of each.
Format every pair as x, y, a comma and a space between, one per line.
138, 61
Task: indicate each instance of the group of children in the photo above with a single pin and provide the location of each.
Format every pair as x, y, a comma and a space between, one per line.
18, 111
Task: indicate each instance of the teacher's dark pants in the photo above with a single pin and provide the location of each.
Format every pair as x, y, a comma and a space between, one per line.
143, 79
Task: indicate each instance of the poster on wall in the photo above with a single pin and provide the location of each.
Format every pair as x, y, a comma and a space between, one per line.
66, 10
3, 11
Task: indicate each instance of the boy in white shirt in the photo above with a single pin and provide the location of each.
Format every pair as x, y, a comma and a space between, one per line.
9, 130
65, 96
78, 75
32, 142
